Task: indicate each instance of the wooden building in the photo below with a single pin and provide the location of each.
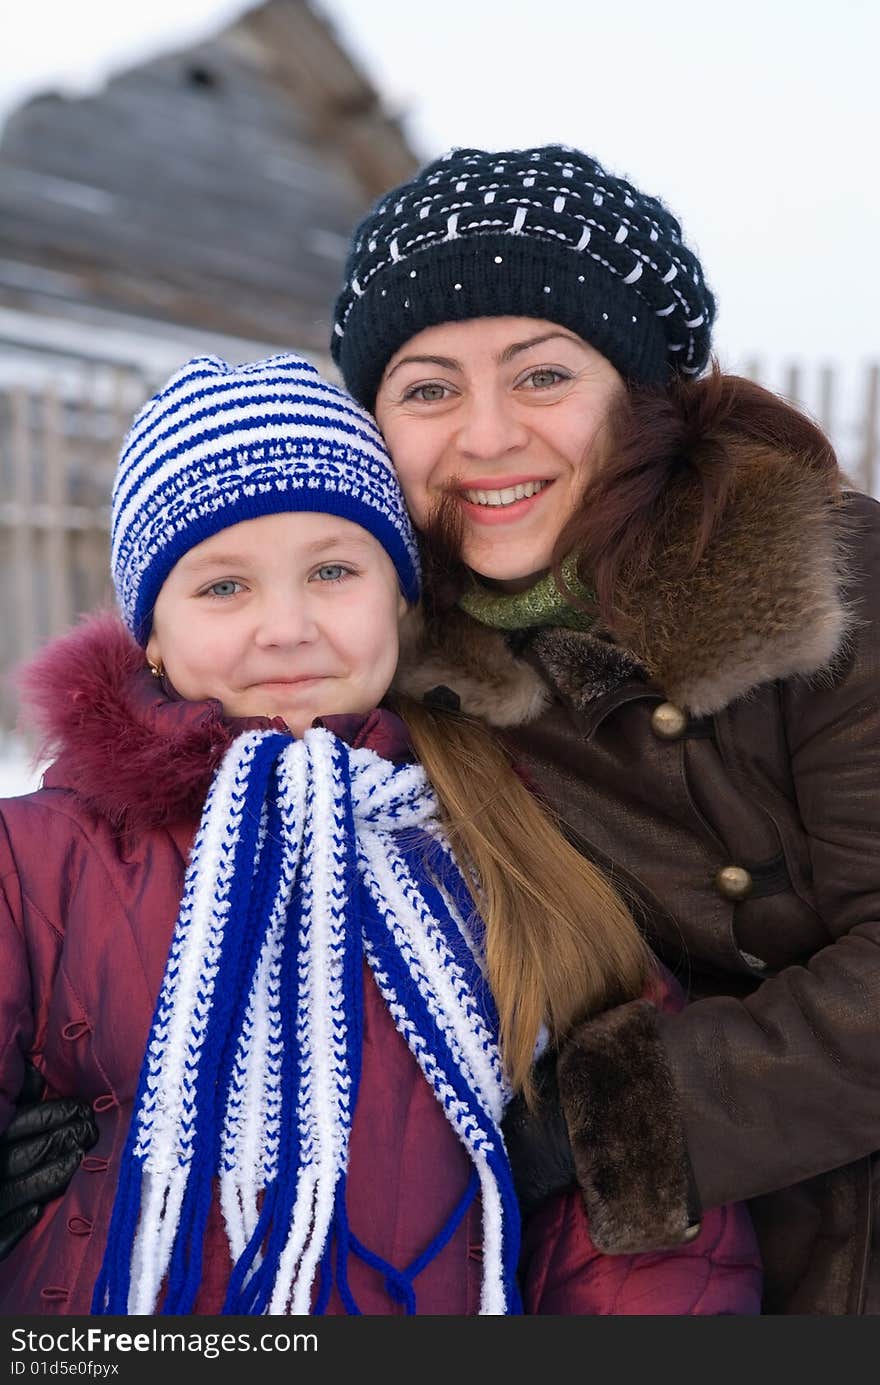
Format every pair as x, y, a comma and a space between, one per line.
200, 201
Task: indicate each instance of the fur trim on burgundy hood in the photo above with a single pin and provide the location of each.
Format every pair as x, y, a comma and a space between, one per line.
138, 757
124, 742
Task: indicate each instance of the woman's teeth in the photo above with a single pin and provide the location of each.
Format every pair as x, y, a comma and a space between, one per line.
507, 496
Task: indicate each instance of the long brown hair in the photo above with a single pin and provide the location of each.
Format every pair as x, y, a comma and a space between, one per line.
560, 942
661, 439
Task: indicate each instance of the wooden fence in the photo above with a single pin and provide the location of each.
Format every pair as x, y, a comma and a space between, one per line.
845, 405
59, 441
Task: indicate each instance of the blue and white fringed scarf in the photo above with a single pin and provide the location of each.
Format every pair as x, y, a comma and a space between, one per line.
309, 857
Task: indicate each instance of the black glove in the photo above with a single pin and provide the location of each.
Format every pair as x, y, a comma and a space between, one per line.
39, 1152
538, 1143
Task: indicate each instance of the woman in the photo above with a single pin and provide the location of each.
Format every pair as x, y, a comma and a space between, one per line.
299, 1082
666, 602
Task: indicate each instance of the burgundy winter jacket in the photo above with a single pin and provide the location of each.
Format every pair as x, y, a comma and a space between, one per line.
92, 869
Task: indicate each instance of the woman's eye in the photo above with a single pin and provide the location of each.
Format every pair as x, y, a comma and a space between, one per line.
332, 572
544, 377
226, 587
427, 394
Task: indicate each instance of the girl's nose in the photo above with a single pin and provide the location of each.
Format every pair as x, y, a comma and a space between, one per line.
285, 619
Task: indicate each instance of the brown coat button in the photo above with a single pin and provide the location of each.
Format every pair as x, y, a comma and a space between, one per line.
734, 882
668, 721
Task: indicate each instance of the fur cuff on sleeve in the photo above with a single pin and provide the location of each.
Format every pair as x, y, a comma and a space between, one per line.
626, 1132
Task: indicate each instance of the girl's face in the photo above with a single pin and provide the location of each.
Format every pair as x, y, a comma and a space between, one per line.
507, 414
289, 615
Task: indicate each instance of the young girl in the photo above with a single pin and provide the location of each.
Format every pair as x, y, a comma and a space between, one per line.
231, 916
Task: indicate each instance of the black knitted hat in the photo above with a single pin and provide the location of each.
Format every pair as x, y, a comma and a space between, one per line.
523, 233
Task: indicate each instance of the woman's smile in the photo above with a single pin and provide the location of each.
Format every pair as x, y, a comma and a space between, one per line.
504, 502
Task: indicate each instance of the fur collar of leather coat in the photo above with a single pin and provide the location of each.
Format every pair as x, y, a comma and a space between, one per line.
765, 602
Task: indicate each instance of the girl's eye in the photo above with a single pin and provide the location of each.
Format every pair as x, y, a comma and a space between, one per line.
226, 587
332, 572
431, 393
544, 377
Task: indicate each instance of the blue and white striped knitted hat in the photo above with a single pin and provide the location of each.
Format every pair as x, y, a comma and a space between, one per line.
219, 444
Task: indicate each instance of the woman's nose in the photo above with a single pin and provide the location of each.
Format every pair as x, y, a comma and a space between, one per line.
490, 426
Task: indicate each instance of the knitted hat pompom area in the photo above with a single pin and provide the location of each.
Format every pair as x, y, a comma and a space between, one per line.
545, 233
220, 443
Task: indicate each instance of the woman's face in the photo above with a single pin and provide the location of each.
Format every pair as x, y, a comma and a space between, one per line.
506, 414
289, 615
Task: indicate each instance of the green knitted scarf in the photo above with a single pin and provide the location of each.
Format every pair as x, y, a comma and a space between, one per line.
542, 604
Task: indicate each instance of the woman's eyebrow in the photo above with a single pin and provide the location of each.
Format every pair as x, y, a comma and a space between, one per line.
449, 362
445, 363
516, 347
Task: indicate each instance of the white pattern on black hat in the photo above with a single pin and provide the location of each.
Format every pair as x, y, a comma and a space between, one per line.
545, 233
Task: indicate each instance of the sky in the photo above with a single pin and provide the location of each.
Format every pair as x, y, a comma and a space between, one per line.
756, 121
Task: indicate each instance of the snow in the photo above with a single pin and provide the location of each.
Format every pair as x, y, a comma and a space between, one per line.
18, 773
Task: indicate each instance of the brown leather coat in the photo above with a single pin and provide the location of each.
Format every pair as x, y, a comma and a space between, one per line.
741, 729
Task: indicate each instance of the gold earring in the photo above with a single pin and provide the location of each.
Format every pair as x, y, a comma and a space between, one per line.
156, 669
